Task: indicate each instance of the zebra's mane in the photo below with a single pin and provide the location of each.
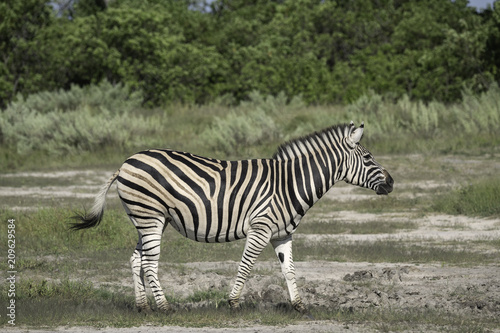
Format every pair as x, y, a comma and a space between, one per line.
305, 144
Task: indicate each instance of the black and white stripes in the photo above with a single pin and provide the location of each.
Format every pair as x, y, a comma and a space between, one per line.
208, 200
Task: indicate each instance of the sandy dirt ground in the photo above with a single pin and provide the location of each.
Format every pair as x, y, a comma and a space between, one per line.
317, 327
470, 290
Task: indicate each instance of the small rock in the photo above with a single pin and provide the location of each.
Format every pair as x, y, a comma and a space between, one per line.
359, 276
273, 293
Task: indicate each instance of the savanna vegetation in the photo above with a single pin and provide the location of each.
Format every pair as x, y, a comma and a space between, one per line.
104, 124
85, 84
89, 82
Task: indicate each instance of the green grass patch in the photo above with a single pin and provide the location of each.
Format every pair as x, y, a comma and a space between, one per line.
212, 295
32, 289
109, 157
376, 205
478, 199
46, 231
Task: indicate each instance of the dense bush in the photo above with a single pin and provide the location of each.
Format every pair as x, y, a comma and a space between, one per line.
190, 52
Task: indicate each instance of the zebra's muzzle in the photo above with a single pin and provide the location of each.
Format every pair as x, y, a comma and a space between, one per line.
386, 188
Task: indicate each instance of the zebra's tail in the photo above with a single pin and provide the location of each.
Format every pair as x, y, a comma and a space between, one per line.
94, 217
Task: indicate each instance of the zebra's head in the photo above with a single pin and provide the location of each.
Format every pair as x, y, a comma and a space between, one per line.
362, 169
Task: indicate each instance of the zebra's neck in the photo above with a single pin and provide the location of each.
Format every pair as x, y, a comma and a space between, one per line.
311, 165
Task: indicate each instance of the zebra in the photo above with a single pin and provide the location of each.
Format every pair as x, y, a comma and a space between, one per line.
210, 200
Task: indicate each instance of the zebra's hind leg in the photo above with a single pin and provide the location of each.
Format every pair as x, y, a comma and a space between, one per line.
138, 277
257, 239
144, 260
151, 239
283, 249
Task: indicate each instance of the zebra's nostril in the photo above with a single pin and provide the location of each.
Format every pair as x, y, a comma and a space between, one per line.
388, 179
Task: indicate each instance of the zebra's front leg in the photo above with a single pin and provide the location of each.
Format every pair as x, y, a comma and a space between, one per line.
257, 239
283, 249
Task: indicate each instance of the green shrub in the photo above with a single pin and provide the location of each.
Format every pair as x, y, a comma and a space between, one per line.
238, 131
104, 118
104, 96
252, 123
81, 119
71, 132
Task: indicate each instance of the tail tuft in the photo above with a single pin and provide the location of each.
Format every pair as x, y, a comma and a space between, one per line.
95, 216
86, 220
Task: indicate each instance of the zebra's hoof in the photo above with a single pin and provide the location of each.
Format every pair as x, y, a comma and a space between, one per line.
300, 307
166, 309
144, 309
234, 304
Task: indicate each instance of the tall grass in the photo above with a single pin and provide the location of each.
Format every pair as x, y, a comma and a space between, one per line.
401, 126
238, 131
66, 124
479, 199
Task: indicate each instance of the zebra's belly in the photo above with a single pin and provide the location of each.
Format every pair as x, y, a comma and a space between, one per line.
212, 229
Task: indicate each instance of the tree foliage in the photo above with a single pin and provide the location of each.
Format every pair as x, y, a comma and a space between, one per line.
194, 51
21, 65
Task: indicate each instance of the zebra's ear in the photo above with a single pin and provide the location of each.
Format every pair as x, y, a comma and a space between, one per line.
356, 134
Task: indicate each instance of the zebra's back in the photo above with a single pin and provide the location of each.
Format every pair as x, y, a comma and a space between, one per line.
205, 199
